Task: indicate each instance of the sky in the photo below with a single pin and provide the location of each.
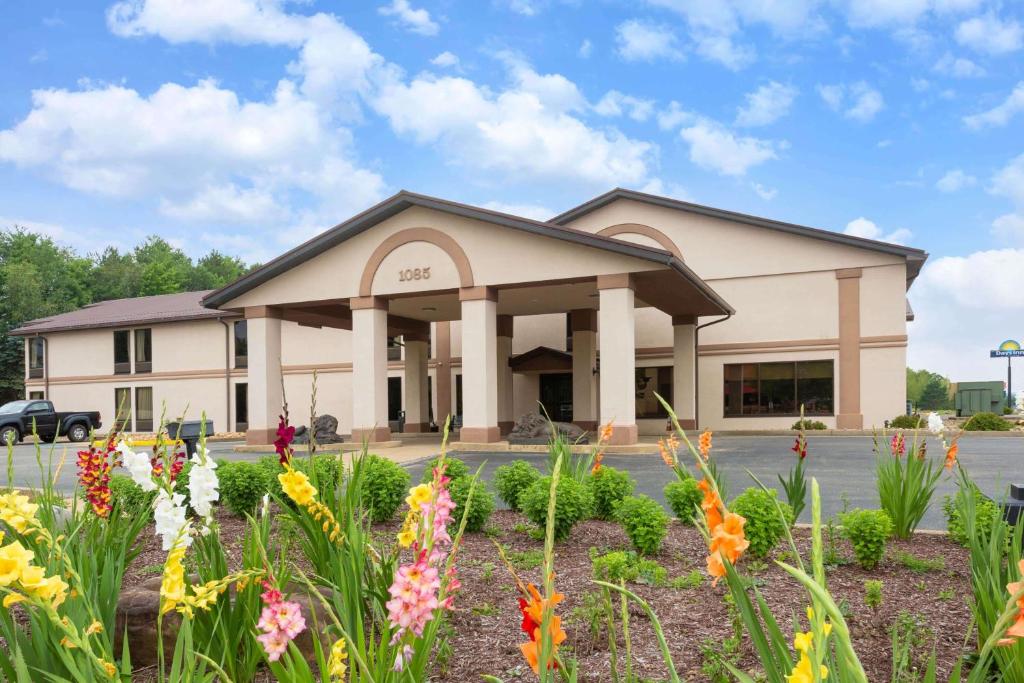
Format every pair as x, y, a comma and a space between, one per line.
248, 126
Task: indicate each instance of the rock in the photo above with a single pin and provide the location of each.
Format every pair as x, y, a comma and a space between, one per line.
325, 429
138, 608
533, 428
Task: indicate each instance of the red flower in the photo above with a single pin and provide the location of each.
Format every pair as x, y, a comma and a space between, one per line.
800, 447
94, 466
285, 434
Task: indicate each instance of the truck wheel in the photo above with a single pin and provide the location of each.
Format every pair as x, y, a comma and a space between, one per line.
9, 435
78, 432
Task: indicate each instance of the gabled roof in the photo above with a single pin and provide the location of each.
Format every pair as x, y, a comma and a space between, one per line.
143, 310
405, 199
915, 257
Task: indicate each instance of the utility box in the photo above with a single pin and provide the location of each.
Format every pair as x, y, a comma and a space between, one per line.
979, 397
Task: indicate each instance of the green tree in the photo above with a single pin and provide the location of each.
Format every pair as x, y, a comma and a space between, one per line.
935, 395
165, 269
215, 270
115, 275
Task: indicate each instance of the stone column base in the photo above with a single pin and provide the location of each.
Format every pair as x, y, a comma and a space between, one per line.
260, 437
586, 425
685, 424
849, 421
506, 426
416, 428
375, 435
623, 435
480, 434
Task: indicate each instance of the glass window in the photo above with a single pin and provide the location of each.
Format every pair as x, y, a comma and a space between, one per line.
394, 349
143, 350
144, 409
394, 398
241, 344
122, 352
36, 356
241, 406
35, 394
778, 388
648, 382
123, 409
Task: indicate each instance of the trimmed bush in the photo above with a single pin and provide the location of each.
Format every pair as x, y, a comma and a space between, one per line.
620, 565
907, 421
512, 479
684, 497
809, 425
986, 515
986, 422
572, 504
384, 487
644, 521
481, 505
867, 530
242, 485
609, 486
456, 469
127, 496
764, 528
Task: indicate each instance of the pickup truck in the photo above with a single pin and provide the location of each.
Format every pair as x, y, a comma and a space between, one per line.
16, 420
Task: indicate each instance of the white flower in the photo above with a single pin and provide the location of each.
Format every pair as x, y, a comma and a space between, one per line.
202, 485
169, 516
138, 466
935, 424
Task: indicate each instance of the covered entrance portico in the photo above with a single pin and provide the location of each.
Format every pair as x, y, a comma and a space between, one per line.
412, 264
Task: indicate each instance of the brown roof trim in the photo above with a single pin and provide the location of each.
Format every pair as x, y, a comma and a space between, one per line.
404, 200
915, 257
35, 327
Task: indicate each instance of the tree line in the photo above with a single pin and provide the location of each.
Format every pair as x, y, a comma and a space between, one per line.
39, 278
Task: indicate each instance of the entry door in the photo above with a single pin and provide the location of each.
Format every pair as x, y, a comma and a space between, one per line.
556, 395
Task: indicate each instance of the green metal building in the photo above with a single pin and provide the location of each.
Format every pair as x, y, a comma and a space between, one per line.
979, 397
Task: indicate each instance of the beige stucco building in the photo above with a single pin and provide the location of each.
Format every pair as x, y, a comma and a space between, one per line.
420, 307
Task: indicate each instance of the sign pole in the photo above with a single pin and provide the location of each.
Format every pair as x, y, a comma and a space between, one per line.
1009, 382
1008, 349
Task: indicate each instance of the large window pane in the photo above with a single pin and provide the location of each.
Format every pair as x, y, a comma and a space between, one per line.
241, 406
36, 355
122, 352
241, 344
733, 394
815, 386
777, 389
144, 409
143, 350
649, 381
123, 409
751, 404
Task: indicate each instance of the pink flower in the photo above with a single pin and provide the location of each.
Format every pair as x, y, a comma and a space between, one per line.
898, 446
280, 622
413, 596
274, 644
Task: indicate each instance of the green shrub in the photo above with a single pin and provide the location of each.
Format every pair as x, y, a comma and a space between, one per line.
621, 565
684, 497
986, 422
986, 515
481, 504
242, 485
456, 469
809, 425
608, 487
512, 479
644, 521
764, 528
907, 421
873, 593
572, 504
385, 485
127, 496
867, 530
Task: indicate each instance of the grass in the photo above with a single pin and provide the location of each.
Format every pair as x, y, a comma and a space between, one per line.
485, 609
688, 581
526, 559
920, 565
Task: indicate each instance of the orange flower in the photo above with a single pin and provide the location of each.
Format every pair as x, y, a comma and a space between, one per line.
667, 454
606, 433
716, 568
533, 618
728, 539
597, 462
954, 448
1017, 630
704, 444
711, 505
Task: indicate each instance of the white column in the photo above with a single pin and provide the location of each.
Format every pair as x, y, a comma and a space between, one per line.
479, 365
369, 370
415, 383
583, 323
616, 321
506, 412
684, 370
263, 324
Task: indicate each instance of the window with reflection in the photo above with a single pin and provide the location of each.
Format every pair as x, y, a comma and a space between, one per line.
241, 344
143, 350
122, 352
36, 356
651, 381
779, 389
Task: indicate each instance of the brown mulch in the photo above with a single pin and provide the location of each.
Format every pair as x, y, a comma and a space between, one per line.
485, 635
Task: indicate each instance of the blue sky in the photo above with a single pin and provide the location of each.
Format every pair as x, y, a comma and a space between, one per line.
249, 125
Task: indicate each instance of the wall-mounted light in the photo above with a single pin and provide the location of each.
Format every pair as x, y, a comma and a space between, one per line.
429, 309
597, 367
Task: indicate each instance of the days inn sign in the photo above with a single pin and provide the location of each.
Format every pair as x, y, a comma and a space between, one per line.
1007, 349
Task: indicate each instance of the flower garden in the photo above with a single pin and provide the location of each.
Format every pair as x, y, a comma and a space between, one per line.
318, 568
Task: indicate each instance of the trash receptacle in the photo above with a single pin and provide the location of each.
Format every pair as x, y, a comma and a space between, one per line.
1012, 507
189, 431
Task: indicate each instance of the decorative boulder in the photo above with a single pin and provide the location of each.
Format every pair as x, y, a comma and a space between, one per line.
325, 429
533, 429
139, 606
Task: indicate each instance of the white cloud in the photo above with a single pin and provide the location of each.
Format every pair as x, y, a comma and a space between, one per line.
919, 84
414, 20
765, 193
79, 238
615, 103
717, 47
858, 101
766, 105
990, 35
1009, 228
660, 187
527, 8
674, 116
715, 147
955, 180
962, 306
1001, 114
227, 203
900, 13
585, 49
958, 67
445, 59
1009, 182
640, 41
537, 212
862, 227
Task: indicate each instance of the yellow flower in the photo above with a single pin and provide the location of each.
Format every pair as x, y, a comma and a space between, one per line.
802, 672
64, 642
12, 598
296, 486
172, 587
14, 558
336, 666
94, 628
109, 668
406, 537
803, 642
827, 627
419, 496
16, 511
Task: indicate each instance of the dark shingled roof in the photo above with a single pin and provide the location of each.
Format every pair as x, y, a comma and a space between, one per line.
143, 310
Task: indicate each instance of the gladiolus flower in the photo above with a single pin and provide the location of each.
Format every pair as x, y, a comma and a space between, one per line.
419, 496
280, 622
800, 447
712, 505
336, 667
296, 486
935, 424
597, 462
606, 433
954, 448
16, 512
667, 454
533, 618
897, 446
704, 444
14, 559
285, 434
94, 466
1017, 630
